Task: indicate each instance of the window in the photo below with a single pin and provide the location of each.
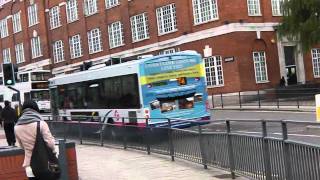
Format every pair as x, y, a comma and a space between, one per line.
19, 53
32, 14
4, 28
110, 93
260, 66
72, 11
6, 55
75, 46
139, 27
316, 62
16, 21
277, 7
90, 7
254, 8
54, 17
111, 3
168, 51
166, 17
94, 41
204, 11
58, 52
214, 71
116, 38
36, 47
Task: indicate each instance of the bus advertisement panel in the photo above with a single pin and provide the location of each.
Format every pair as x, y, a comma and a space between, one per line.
174, 87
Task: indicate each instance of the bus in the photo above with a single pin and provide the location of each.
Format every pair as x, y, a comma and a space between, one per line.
32, 84
155, 88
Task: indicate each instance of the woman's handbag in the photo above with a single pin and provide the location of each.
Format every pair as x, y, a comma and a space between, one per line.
44, 163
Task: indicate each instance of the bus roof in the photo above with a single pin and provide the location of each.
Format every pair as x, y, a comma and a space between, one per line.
130, 67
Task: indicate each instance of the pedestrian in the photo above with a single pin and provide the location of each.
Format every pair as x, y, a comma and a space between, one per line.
9, 117
0, 116
26, 132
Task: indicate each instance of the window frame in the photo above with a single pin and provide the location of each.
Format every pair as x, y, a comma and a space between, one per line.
16, 22
90, 7
33, 15
113, 3
113, 31
19, 49
58, 51
259, 13
213, 11
54, 17
260, 67
72, 11
6, 55
278, 10
73, 46
136, 28
162, 29
36, 47
94, 41
4, 28
214, 66
315, 56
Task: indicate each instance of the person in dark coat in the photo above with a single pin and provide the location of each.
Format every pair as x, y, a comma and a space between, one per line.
9, 117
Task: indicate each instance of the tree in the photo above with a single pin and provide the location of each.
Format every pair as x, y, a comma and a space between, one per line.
301, 20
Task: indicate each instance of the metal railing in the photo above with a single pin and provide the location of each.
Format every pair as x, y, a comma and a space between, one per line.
256, 156
265, 98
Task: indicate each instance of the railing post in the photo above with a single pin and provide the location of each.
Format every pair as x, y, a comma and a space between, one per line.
266, 151
240, 100
147, 136
64, 130
230, 150
101, 132
170, 140
259, 101
63, 160
298, 102
124, 132
212, 100
221, 100
278, 103
202, 148
286, 152
80, 132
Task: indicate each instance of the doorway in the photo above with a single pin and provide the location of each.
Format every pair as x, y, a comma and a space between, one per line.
290, 64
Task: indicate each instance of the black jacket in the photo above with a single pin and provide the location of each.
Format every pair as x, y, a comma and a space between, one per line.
9, 115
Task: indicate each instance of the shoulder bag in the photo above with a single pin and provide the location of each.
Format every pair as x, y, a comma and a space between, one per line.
44, 163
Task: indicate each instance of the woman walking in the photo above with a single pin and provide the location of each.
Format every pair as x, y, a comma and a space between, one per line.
26, 133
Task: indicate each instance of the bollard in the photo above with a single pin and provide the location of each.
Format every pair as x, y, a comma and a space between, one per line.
170, 140
63, 160
230, 150
202, 147
124, 134
318, 107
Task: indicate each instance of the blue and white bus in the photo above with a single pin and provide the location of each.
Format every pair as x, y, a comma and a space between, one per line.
155, 88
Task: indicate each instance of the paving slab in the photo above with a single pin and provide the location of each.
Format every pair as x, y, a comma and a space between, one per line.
112, 163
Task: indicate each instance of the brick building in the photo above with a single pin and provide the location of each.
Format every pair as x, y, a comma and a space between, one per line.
237, 38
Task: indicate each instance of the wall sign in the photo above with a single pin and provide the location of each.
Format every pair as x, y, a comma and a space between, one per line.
229, 59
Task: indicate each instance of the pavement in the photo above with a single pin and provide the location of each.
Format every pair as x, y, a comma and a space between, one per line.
112, 163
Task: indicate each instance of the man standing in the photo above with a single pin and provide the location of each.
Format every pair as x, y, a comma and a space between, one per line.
9, 117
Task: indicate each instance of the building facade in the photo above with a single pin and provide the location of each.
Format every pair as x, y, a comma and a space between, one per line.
238, 39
